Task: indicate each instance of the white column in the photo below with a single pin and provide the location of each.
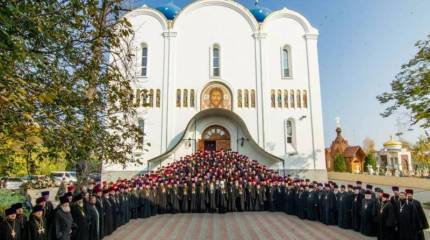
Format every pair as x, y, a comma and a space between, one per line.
168, 91
260, 76
315, 105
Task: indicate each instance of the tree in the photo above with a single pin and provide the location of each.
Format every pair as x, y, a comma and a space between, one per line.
411, 88
370, 160
421, 152
66, 71
368, 145
339, 163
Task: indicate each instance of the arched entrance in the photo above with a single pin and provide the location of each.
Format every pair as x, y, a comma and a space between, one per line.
215, 138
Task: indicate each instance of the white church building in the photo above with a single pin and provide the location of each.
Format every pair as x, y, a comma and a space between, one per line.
217, 75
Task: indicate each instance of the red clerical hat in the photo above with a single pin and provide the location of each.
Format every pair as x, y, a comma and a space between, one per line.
409, 191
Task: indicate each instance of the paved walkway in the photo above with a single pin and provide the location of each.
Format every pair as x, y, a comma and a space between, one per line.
247, 225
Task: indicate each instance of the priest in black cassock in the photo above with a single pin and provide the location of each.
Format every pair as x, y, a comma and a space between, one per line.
80, 219
414, 216
328, 207
49, 215
357, 200
9, 227
201, 197
193, 198
368, 214
312, 204
100, 209
386, 219
291, 196
20, 217
36, 226
108, 214
240, 200
63, 220
345, 203
94, 218
301, 202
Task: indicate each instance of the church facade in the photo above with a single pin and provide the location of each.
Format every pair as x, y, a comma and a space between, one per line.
216, 75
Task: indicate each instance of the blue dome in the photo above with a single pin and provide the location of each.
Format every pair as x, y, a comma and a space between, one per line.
260, 13
170, 10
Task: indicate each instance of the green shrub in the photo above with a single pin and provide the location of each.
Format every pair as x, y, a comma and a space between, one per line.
7, 198
370, 160
339, 163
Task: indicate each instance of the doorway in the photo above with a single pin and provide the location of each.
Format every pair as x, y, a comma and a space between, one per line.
215, 138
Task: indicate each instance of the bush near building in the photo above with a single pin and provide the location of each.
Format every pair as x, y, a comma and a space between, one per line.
339, 163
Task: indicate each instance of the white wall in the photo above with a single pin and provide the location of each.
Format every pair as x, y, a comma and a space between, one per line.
179, 57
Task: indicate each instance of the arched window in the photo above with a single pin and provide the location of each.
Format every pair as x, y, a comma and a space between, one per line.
292, 104
151, 98
239, 98
185, 98
144, 61
305, 99
145, 97
141, 139
279, 98
246, 96
192, 98
286, 62
290, 132
299, 99
285, 98
137, 101
273, 98
253, 98
157, 98
216, 61
178, 98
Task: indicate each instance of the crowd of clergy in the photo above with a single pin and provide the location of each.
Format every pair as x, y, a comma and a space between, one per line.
215, 182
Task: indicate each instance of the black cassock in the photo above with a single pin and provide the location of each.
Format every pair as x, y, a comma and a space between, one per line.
101, 211
162, 200
357, 200
329, 208
116, 213
290, 205
386, 220
270, 196
231, 191
9, 228
240, 200
420, 219
320, 195
259, 199
63, 222
145, 203
21, 220
312, 208
201, 198
153, 201
49, 219
108, 217
80, 219
193, 200
222, 201
368, 217
301, 202
35, 229
185, 198
344, 210
281, 198
411, 220
134, 205
250, 193
211, 198
94, 221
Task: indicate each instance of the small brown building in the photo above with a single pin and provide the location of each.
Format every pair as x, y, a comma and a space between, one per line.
354, 155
